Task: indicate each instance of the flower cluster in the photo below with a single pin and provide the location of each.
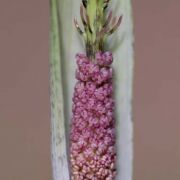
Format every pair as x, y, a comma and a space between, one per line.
93, 126
89, 71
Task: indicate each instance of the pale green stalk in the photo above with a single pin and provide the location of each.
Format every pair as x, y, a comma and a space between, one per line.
59, 154
65, 43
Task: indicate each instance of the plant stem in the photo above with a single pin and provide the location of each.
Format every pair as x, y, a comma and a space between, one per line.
59, 154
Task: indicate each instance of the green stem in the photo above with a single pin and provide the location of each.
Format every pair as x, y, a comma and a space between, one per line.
96, 26
93, 37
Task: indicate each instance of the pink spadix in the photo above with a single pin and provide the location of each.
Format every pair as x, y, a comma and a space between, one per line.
92, 135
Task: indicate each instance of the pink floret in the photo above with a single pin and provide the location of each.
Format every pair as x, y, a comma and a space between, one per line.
92, 134
104, 59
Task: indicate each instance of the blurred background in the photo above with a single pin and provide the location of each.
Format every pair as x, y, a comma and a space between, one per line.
24, 90
156, 90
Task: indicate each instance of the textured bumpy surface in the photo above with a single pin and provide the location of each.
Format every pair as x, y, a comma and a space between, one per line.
93, 125
65, 43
